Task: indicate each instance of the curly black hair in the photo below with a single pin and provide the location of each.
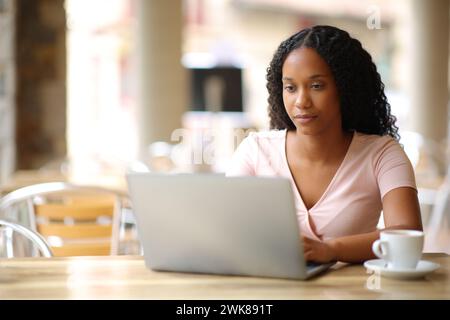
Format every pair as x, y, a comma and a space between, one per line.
364, 106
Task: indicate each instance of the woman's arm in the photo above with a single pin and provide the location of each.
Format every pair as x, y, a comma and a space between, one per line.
354, 249
401, 211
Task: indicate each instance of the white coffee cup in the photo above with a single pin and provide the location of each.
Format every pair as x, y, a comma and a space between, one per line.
401, 249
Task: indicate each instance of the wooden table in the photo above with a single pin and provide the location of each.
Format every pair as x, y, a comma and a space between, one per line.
125, 277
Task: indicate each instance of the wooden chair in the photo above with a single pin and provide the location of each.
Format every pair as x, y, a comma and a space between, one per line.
75, 220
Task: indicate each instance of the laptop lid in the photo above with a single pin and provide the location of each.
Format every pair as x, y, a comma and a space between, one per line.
214, 224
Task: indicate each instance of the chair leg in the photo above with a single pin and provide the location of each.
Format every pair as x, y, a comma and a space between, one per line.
116, 223
439, 220
31, 235
9, 242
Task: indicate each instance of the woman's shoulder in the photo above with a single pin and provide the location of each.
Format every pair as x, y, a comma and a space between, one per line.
377, 146
255, 150
267, 136
373, 140
264, 141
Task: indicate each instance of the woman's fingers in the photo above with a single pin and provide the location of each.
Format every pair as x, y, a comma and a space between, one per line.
306, 240
308, 255
306, 243
308, 249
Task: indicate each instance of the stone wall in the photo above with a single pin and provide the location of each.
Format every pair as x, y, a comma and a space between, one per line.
41, 82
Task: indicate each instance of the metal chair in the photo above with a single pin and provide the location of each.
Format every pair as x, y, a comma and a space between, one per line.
437, 230
74, 219
35, 238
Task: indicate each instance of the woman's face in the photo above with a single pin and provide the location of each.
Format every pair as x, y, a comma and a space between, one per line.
310, 95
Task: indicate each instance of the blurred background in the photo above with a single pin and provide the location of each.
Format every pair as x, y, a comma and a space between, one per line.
91, 89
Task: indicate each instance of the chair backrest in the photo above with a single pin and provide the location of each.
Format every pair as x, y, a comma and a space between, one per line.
35, 238
75, 220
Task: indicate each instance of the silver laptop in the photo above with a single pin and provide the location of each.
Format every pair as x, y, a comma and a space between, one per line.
222, 225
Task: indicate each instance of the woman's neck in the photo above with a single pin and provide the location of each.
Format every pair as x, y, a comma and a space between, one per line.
321, 149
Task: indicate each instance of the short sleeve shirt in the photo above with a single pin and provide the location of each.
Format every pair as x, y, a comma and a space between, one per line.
352, 202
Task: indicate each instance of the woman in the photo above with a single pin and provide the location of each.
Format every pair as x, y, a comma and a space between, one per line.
335, 138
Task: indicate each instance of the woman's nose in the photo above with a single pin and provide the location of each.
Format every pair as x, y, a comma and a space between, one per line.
302, 100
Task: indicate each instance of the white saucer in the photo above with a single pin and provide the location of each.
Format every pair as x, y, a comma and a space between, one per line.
423, 268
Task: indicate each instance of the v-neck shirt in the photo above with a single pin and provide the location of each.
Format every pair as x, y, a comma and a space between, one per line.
352, 202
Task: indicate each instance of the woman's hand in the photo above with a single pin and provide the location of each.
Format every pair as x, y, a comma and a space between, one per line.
318, 251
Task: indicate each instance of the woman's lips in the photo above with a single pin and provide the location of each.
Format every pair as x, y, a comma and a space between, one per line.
303, 119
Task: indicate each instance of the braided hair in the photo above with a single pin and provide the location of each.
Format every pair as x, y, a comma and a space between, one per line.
364, 106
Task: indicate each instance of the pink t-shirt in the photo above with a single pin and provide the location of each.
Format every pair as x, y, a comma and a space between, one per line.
351, 204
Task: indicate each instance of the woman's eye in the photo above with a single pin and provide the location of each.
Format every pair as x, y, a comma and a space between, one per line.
316, 86
289, 88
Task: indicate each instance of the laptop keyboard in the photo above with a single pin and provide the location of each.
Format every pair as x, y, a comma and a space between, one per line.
311, 265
